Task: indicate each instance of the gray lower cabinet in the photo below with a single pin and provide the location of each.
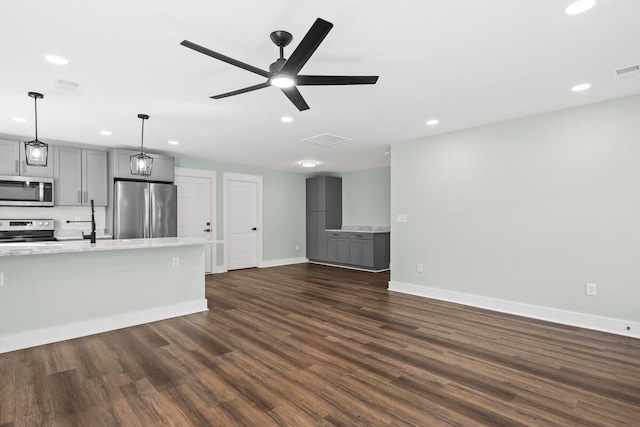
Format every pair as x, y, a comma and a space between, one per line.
337, 247
80, 176
316, 239
363, 250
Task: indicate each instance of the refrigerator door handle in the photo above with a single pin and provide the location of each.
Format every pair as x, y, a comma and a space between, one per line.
147, 214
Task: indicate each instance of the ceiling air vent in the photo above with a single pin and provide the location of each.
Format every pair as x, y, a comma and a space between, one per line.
627, 72
326, 140
67, 85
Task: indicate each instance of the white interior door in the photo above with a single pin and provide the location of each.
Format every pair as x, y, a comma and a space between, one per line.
242, 223
195, 211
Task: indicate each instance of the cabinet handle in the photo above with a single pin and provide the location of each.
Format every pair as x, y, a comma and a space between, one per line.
24, 166
208, 230
86, 196
17, 167
79, 198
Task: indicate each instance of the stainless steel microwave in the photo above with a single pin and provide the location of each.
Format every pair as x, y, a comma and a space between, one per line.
25, 191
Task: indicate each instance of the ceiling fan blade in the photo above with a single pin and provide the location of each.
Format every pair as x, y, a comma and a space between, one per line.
335, 80
221, 57
307, 46
295, 96
244, 90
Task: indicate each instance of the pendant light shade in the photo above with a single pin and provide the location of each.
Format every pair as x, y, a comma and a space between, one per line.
36, 152
141, 164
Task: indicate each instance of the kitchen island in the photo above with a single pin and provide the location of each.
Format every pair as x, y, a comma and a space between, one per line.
53, 291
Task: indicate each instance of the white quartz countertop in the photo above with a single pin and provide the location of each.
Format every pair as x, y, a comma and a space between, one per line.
40, 248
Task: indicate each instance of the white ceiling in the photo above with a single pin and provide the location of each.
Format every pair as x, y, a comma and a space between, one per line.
465, 62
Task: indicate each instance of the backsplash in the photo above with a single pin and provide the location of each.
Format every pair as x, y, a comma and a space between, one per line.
60, 214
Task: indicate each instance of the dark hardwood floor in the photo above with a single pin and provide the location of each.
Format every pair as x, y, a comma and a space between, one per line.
309, 345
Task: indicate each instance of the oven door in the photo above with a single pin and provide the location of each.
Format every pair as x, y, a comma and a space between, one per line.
25, 191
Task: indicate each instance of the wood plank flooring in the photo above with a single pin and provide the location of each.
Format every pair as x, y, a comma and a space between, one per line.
310, 345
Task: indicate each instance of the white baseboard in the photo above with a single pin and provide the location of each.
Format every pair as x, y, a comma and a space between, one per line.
581, 320
37, 337
281, 262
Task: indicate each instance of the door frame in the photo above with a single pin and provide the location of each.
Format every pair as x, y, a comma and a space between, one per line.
257, 179
211, 174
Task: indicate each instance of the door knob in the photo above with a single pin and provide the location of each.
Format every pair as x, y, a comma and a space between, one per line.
253, 229
208, 230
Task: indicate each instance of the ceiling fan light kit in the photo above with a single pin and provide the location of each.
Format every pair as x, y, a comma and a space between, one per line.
36, 152
141, 164
283, 73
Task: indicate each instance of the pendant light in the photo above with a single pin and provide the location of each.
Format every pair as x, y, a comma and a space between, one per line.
36, 151
141, 163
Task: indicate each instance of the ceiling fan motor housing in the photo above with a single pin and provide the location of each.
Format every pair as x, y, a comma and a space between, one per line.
277, 66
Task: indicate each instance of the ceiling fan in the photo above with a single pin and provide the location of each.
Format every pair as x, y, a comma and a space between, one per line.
283, 73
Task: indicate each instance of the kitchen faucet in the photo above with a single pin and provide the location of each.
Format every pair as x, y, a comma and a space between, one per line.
91, 236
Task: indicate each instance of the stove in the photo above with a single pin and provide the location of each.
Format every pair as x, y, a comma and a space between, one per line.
26, 230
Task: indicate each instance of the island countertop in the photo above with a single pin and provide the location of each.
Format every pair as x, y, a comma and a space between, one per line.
40, 248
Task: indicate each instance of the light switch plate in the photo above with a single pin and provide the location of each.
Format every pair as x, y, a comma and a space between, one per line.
401, 218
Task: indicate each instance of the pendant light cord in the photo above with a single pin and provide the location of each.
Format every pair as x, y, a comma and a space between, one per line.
35, 100
142, 138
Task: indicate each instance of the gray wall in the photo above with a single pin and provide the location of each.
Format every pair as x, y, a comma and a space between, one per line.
366, 197
527, 210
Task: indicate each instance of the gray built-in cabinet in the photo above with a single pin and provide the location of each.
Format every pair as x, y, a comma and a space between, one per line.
13, 161
364, 250
324, 210
80, 176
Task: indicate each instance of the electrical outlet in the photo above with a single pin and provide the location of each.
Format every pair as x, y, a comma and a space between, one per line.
297, 247
419, 268
175, 262
590, 289
1, 279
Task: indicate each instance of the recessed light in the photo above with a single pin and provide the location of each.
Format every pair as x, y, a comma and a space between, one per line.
19, 119
106, 132
579, 6
286, 119
581, 87
56, 59
308, 163
432, 122
173, 142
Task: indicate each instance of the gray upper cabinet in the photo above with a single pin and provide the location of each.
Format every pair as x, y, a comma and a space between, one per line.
9, 154
13, 161
80, 176
162, 169
324, 210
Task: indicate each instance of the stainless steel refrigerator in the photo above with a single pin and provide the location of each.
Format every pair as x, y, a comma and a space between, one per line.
145, 210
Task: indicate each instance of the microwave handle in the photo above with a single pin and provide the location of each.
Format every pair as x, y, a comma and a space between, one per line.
41, 191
